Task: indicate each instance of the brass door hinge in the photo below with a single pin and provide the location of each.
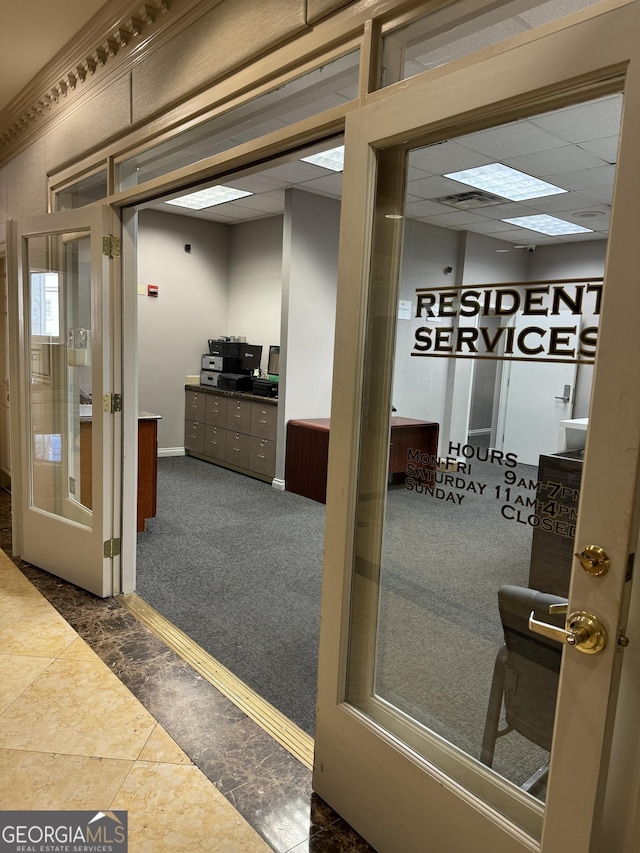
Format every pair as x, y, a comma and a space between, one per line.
111, 246
112, 403
111, 548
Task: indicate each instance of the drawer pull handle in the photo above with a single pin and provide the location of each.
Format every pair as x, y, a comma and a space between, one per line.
261, 456
263, 422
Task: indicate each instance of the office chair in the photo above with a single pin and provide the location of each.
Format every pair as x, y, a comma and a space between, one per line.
525, 676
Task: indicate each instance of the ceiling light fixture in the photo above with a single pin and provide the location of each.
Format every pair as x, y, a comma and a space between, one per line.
505, 181
332, 159
549, 225
209, 197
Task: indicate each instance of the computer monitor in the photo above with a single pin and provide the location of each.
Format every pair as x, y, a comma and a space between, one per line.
250, 356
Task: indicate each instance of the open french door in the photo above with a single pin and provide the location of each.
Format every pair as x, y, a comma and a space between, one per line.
64, 412
469, 662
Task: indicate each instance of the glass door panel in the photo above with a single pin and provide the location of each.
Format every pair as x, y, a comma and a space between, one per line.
60, 381
485, 299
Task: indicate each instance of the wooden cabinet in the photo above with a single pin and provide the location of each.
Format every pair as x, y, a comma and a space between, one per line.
308, 451
234, 430
552, 541
147, 465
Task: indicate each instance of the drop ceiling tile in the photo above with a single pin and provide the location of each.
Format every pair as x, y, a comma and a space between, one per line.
447, 157
522, 235
508, 210
604, 195
545, 164
248, 131
424, 207
296, 172
456, 217
565, 202
585, 179
490, 226
593, 120
512, 140
545, 12
311, 107
259, 183
262, 203
582, 238
329, 184
606, 148
436, 186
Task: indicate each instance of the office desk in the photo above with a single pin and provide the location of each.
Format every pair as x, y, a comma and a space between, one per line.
147, 466
308, 451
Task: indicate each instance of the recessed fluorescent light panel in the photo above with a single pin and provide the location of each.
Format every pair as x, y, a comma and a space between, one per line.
332, 159
550, 225
208, 198
506, 182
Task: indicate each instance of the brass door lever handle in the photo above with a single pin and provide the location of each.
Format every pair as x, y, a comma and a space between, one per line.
583, 630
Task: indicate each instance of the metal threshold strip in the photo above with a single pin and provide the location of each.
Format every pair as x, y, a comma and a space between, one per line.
279, 727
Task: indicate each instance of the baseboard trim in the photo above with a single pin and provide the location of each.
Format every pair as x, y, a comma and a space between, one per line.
278, 484
171, 451
272, 721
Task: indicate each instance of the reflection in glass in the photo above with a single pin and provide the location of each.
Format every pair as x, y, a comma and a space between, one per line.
460, 29
481, 342
85, 191
60, 375
333, 84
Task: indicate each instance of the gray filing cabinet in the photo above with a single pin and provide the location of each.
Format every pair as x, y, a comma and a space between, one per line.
235, 430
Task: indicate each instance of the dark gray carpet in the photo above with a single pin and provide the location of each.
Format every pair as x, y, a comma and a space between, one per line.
237, 565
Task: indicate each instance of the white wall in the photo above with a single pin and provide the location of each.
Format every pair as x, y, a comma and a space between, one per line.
312, 226
573, 260
420, 384
173, 329
255, 282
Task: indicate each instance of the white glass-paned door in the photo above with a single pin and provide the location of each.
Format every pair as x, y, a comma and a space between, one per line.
480, 516
63, 483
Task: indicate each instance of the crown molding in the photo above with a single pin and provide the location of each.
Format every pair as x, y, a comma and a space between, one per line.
115, 38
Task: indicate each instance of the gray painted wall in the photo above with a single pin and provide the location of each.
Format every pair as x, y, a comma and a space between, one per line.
229, 283
173, 328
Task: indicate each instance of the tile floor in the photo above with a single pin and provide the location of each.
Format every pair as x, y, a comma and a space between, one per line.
96, 712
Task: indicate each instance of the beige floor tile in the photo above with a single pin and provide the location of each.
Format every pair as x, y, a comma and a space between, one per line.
30, 626
174, 808
79, 650
17, 672
36, 780
77, 707
13, 582
162, 747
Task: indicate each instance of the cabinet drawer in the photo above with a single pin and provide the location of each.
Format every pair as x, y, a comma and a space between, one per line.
216, 410
237, 449
239, 415
263, 456
194, 436
264, 420
194, 406
215, 442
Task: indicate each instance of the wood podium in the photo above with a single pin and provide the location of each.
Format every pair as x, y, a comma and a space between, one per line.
308, 452
147, 466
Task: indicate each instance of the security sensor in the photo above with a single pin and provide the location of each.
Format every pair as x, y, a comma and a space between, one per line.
187, 247
531, 248
448, 270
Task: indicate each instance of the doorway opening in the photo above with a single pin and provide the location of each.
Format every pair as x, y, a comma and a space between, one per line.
256, 258
236, 308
